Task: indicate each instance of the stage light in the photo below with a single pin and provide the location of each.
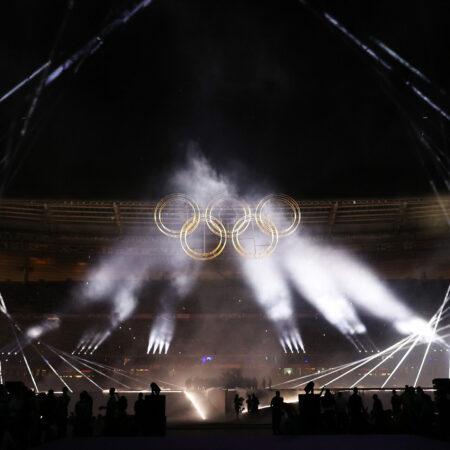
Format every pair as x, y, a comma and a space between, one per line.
195, 403
3, 308
34, 332
161, 334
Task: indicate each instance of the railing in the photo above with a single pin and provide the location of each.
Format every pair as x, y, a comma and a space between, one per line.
407, 212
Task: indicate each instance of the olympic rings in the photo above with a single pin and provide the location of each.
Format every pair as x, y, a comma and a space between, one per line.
213, 204
293, 205
219, 229
241, 223
194, 221
261, 217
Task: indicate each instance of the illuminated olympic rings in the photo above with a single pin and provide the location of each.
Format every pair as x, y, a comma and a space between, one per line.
262, 217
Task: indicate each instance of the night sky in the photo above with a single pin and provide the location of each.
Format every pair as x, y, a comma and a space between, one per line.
265, 89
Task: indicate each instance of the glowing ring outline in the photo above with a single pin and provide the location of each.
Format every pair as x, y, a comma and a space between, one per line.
203, 256
286, 199
160, 206
240, 249
213, 203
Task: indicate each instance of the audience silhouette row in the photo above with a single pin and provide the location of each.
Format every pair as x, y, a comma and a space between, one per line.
28, 419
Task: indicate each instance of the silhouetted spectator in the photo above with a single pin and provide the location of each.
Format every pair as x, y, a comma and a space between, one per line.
248, 402
341, 412
254, 404
111, 413
309, 388
356, 411
62, 412
238, 402
139, 412
121, 419
425, 409
155, 389
276, 405
409, 409
49, 415
378, 414
83, 415
396, 404
328, 408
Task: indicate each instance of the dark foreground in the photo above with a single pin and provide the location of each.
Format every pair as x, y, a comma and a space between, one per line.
198, 439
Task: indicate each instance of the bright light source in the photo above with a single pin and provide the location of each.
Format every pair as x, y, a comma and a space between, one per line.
195, 404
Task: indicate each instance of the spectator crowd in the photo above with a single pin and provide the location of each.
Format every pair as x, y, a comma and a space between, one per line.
28, 419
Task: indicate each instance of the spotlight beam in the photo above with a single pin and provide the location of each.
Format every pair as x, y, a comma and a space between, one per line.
99, 372
401, 60
336, 369
379, 364
195, 404
368, 359
431, 338
416, 340
122, 372
46, 361
52, 368
87, 50
23, 354
419, 336
25, 81
342, 366
339, 369
75, 368
3, 308
13, 326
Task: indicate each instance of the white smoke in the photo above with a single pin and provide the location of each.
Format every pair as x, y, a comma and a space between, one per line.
336, 283
331, 280
273, 294
199, 180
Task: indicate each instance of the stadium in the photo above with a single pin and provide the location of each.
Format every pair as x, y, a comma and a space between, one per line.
228, 218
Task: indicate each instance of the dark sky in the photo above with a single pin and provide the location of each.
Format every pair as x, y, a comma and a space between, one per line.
266, 89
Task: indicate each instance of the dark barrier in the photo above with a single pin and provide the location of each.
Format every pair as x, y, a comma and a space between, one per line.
155, 415
309, 413
442, 402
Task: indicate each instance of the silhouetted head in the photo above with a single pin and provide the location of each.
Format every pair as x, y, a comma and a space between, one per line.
140, 396
277, 393
419, 390
394, 392
375, 396
51, 393
112, 391
65, 390
339, 394
355, 390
